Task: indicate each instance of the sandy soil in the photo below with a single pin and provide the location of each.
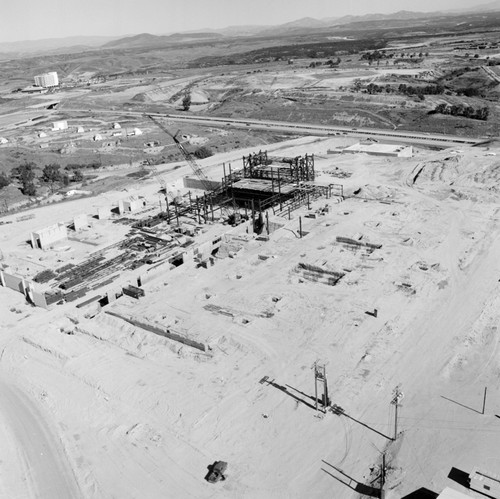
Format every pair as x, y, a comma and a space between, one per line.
120, 412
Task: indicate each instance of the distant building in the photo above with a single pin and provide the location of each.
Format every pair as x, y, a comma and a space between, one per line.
60, 125
47, 80
3, 140
80, 129
34, 90
377, 149
116, 125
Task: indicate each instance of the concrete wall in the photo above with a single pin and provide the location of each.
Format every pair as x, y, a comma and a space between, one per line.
103, 213
13, 282
196, 183
49, 235
27, 288
133, 204
167, 333
81, 222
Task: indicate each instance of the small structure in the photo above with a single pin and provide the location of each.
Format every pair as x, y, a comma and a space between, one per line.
137, 131
131, 204
43, 238
116, 134
377, 149
42, 135
3, 140
80, 129
103, 213
485, 482
97, 137
34, 90
60, 125
80, 222
116, 126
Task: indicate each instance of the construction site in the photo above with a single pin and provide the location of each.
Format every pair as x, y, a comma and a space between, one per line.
289, 288
297, 322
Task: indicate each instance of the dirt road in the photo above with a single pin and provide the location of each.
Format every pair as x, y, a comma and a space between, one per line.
31, 450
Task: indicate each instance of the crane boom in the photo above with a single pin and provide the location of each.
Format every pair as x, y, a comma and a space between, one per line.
187, 156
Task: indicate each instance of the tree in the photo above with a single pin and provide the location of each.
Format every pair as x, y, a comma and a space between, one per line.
186, 102
77, 176
27, 178
51, 173
203, 152
4, 180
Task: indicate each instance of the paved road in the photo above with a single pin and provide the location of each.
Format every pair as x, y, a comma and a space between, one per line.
38, 458
404, 136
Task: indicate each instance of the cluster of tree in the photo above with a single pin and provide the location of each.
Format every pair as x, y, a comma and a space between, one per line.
78, 166
203, 152
404, 89
471, 92
51, 175
293, 51
377, 55
26, 175
481, 113
330, 63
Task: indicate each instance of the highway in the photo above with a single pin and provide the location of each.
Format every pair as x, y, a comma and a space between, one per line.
380, 134
306, 129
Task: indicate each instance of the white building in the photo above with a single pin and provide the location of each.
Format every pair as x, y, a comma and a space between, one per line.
377, 149
59, 125
131, 204
47, 80
3, 140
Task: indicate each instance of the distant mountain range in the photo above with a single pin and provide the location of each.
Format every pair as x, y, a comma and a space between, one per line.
80, 43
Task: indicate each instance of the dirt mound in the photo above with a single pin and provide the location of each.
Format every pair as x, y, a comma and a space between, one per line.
141, 98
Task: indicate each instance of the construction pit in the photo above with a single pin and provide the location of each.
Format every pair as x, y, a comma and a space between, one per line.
391, 288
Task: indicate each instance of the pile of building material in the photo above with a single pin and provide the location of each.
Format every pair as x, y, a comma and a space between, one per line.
318, 274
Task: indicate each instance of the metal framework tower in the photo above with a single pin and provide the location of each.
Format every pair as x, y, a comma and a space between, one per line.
320, 378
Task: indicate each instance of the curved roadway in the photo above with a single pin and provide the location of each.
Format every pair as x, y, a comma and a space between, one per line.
33, 463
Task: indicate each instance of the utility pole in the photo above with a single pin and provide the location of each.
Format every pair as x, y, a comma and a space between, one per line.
397, 397
382, 478
320, 377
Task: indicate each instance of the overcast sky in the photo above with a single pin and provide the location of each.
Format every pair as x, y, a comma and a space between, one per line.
38, 19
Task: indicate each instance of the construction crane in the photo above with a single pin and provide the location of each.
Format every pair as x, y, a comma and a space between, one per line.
205, 182
158, 177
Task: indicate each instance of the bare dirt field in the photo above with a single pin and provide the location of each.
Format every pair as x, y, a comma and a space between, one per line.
121, 412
